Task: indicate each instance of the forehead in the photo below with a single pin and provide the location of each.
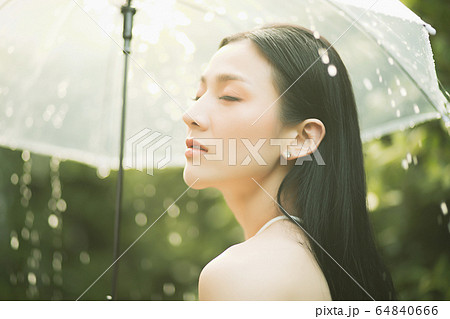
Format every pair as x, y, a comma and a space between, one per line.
243, 60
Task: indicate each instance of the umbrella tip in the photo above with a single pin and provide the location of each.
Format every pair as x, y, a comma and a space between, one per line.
430, 29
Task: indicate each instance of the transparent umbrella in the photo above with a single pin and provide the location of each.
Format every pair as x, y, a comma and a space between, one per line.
62, 69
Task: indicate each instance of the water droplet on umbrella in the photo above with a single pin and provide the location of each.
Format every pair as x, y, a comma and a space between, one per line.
9, 111
258, 20
209, 16
221, 10
324, 55
103, 172
108, 297
316, 34
367, 84
242, 15
332, 70
444, 208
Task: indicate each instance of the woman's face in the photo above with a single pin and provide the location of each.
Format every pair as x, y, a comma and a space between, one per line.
235, 91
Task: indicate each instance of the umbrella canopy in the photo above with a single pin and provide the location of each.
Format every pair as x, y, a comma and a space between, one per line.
62, 69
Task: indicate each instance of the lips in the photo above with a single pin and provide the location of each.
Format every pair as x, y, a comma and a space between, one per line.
194, 144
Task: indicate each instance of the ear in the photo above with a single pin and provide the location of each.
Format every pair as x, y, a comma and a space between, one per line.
310, 133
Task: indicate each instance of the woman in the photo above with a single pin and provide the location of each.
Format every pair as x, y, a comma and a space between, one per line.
276, 121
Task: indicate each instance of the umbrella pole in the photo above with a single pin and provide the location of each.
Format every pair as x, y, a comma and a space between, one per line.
128, 13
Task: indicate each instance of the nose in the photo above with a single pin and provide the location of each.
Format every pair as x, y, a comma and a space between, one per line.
194, 118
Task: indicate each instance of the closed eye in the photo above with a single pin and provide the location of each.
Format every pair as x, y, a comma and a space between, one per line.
226, 98
229, 98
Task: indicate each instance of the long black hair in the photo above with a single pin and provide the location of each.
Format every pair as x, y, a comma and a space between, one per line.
330, 198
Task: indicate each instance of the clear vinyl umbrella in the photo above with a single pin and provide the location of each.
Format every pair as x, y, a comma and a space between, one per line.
62, 69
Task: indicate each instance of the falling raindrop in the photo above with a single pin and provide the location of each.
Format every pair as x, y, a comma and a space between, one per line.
149, 190
53, 221
169, 288
405, 164
14, 179
108, 297
31, 278
389, 91
140, 219
174, 211
397, 113
85, 258
409, 158
403, 91
416, 109
14, 242
192, 206
391, 61
332, 71
393, 104
175, 239
444, 208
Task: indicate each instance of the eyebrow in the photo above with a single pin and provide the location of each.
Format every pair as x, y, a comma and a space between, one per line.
224, 77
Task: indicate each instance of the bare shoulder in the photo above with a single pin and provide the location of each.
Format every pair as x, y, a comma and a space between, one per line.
263, 268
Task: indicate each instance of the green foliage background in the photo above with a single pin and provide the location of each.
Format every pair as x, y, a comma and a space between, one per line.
408, 180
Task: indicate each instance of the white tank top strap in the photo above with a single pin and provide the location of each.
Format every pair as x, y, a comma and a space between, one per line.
273, 220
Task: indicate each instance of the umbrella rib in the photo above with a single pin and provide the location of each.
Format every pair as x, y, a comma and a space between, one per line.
388, 54
136, 240
129, 55
351, 25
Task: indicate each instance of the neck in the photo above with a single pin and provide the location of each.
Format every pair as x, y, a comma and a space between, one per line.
252, 204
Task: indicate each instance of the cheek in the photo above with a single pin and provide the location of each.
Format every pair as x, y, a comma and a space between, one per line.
259, 135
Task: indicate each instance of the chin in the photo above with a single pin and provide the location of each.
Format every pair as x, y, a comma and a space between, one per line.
190, 175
